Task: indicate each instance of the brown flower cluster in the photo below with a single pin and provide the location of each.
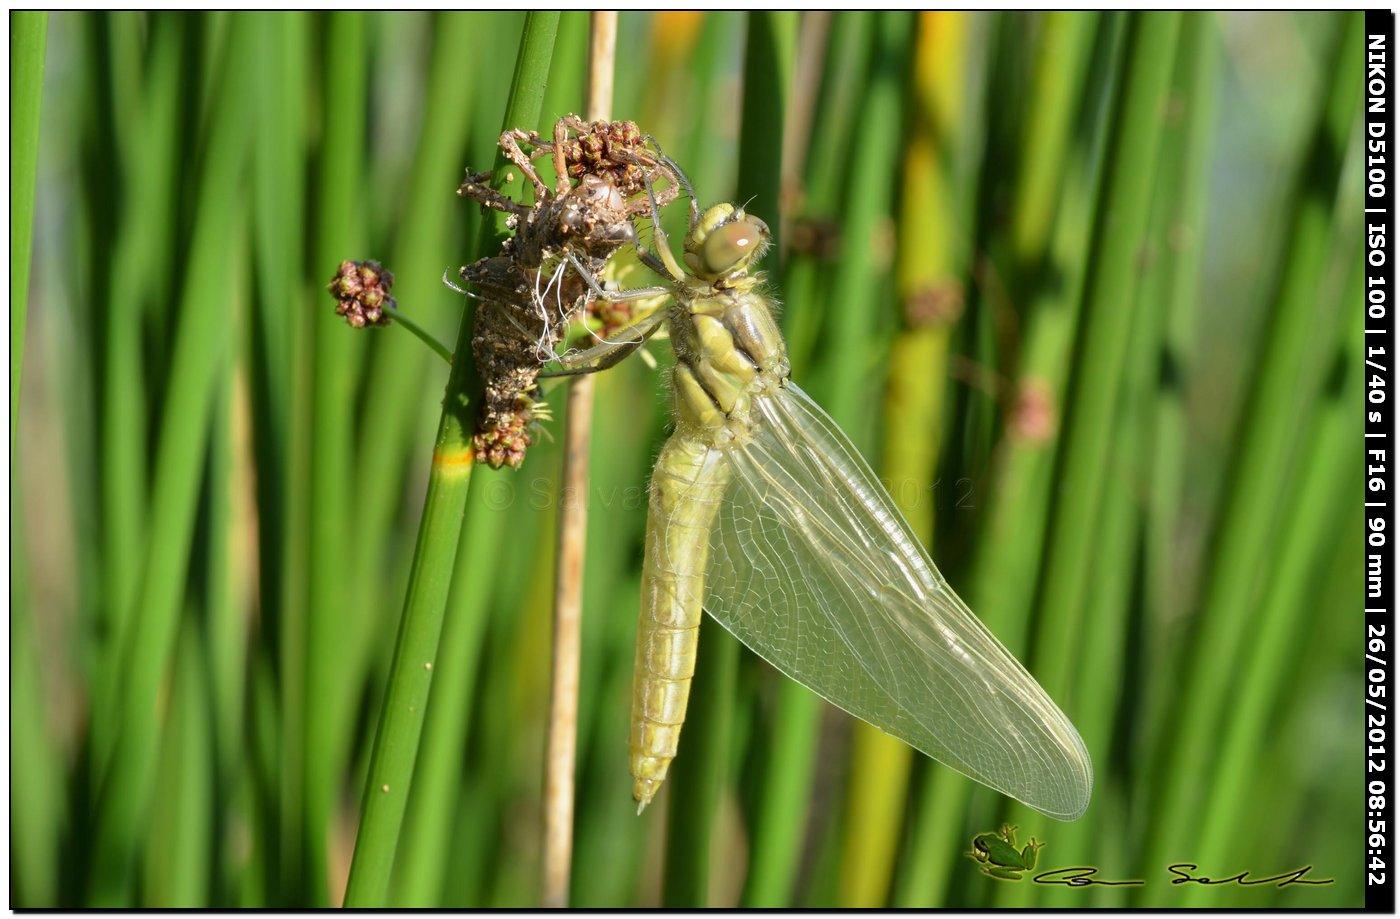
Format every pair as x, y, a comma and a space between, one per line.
361, 291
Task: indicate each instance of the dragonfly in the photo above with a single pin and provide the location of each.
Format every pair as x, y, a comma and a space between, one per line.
764, 514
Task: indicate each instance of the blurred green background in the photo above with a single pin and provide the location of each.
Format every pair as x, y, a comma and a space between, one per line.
1084, 287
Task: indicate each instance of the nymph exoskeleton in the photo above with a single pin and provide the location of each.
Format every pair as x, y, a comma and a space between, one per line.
547, 272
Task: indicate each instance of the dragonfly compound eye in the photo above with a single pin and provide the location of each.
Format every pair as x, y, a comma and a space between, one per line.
731, 247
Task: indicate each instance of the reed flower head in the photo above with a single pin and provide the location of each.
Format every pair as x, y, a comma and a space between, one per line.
361, 291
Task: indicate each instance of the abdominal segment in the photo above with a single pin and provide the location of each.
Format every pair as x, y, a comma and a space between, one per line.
686, 489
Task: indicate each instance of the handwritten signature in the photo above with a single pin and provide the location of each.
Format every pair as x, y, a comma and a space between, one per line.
1183, 874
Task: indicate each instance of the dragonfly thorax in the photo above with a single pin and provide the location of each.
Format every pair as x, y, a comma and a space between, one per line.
728, 347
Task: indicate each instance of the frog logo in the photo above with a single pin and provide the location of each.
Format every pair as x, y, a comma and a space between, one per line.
998, 856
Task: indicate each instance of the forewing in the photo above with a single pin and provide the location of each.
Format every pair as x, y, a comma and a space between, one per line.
815, 569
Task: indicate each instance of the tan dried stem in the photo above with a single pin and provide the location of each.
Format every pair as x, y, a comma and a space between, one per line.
562, 741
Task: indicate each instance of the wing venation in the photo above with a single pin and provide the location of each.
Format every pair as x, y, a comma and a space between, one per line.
814, 568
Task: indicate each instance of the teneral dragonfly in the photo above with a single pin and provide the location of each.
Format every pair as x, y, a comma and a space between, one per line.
764, 514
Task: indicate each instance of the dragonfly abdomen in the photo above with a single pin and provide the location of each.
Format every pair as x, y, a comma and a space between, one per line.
686, 489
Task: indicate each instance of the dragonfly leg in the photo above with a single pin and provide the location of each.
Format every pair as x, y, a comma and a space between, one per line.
613, 296
451, 285
575, 367
561, 169
608, 354
681, 177
651, 262
475, 187
663, 244
510, 145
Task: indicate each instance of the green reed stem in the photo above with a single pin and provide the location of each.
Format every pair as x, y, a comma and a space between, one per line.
396, 371
844, 66
1135, 452
424, 858
1284, 389
1015, 505
339, 232
1107, 322
1183, 241
145, 234
410, 677
28, 38
1325, 485
281, 391
199, 356
1061, 66
37, 808
177, 876
425, 853
33, 762
1072, 545
933, 242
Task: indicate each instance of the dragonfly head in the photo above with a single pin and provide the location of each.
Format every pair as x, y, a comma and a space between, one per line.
724, 242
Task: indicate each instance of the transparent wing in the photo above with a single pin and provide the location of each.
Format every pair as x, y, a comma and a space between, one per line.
815, 569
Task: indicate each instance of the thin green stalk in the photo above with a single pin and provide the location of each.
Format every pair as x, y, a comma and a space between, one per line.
29, 31
1136, 451
426, 856
1121, 224
869, 203
37, 807
227, 602
1014, 506
401, 718
1324, 488
281, 393
933, 247
411, 326
1097, 686
198, 355
1303, 790
339, 233
845, 65
1288, 599
398, 373
35, 821
842, 366
783, 797
424, 859
1083, 462
260, 877
1061, 66
177, 874
1284, 389
143, 235
1184, 238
